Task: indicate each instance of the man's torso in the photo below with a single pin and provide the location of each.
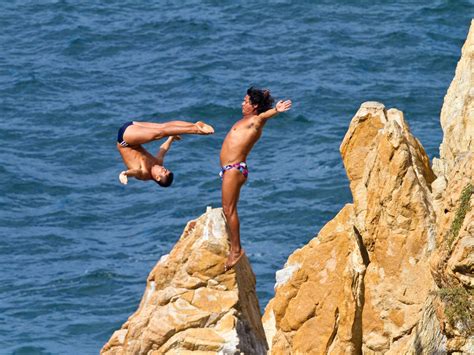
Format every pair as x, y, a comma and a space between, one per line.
240, 140
137, 157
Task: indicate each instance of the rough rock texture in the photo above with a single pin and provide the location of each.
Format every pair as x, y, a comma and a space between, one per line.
320, 293
190, 304
457, 114
452, 265
391, 197
366, 271
392, 273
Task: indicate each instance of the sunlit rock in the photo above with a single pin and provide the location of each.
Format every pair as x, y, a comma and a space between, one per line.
364, 279
457, 113
412, 286
190, 304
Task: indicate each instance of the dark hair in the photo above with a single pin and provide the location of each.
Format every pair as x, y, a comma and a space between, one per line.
261, 98
166, 180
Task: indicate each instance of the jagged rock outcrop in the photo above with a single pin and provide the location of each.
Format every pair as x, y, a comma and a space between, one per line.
452, 264
391, 193
378, 249
457, 114
190, 304
320, 292
392, 273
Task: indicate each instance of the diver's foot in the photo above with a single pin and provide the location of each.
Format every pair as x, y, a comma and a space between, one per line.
233, 259
204, 128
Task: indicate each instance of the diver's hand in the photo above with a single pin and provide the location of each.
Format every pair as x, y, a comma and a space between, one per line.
123, 178
283, 106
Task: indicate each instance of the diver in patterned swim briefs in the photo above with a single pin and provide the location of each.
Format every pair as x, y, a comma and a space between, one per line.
256, 110
140, 163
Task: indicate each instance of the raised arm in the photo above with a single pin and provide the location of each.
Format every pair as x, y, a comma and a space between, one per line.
165, 147
123, 177
281, 106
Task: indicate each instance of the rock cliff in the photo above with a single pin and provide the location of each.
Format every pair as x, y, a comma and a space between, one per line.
452, 264
190, 304
457, 113
367, 271
393, 272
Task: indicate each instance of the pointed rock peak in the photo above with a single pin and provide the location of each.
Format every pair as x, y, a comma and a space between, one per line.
191, 303
374, 105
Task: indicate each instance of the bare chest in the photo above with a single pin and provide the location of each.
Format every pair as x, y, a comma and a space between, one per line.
245, 129
240, 140
137, 158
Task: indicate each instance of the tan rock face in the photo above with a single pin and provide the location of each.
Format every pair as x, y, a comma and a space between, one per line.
452, 265
406, 222
320, 293
361, 284
457, 114
190, 304
455, 256
397, 224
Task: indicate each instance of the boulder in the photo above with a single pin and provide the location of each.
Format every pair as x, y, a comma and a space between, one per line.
396, 220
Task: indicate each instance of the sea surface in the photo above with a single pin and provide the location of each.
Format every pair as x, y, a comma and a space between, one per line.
76, 246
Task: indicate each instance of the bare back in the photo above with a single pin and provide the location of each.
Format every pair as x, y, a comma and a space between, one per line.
240, 140
137, 157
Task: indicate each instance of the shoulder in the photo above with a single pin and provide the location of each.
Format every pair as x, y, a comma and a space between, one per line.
257, 121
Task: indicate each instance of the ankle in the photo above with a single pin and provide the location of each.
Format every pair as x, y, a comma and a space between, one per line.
236, 250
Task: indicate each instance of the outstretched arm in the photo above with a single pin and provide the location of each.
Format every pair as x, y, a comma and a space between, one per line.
281, 106
123, 177
165, 147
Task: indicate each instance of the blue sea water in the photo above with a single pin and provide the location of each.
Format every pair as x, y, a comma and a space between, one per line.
76, 246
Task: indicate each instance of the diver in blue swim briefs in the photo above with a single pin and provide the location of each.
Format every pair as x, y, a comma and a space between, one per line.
141, 164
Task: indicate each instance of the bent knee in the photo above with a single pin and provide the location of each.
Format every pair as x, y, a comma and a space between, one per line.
159, 135
229, 210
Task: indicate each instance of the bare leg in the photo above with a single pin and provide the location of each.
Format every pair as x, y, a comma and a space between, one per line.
144, 132
160, 125
231, 184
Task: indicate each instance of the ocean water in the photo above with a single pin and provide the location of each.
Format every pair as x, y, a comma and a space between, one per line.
76, 246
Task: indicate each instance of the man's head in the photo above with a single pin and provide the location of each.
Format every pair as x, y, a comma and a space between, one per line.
257, 101
161, 175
